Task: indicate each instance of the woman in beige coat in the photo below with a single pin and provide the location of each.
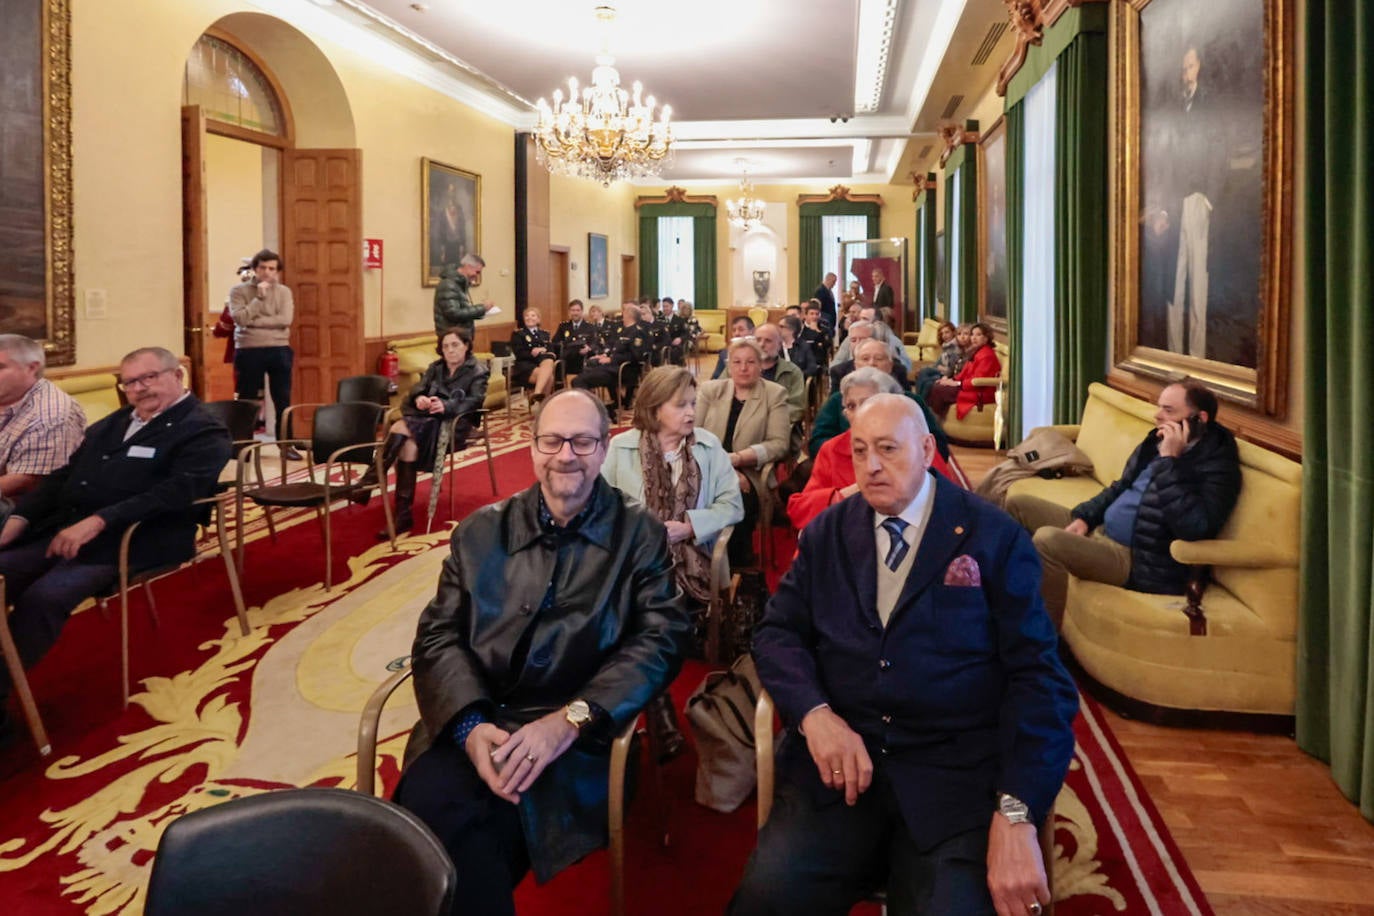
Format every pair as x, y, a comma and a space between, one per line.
748, 414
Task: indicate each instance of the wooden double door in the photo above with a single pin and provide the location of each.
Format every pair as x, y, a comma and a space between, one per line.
322, 241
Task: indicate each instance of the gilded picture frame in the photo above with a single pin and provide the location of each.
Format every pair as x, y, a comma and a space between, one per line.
1227, 245
993, 276
450, 218
36, 293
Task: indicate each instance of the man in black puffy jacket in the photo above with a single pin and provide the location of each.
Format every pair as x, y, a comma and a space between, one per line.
1181, 483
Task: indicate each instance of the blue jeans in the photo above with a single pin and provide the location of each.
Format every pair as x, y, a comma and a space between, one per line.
252, 364
820, 861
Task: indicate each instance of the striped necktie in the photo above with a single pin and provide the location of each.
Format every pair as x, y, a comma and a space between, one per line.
898, 546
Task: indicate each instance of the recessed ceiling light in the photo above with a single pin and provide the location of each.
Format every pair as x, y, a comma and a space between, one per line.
419, 7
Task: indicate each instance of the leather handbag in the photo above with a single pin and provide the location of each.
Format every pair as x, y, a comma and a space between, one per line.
721, 714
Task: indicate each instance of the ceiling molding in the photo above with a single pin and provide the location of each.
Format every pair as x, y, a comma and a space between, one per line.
941, 33
859, 128
877, 26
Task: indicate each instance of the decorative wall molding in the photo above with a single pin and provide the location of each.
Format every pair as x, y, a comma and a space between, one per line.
954, 136
926, 182
677, 195
1029, 20
839, 192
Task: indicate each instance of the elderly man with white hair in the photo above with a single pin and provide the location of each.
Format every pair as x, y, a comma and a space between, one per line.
928, 716
40, 424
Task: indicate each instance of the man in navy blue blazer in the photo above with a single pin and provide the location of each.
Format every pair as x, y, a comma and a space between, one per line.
929, 719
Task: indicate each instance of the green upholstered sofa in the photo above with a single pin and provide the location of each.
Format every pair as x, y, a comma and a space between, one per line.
1236, 652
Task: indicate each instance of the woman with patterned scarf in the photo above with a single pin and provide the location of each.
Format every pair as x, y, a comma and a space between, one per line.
683, 475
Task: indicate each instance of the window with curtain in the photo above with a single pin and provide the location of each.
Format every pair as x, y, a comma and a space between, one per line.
1037, 277
953, 254
834, 230
921, 266
676, 265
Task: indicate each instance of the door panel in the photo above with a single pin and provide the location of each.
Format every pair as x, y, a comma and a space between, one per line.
629, 277
322, 248
210, 377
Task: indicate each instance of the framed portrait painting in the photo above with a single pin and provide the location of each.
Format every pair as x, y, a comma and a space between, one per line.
36, 297
1203, 127
450, 218
598, 283
992, 237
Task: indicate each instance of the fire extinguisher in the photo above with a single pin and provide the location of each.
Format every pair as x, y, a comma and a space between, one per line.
389, 365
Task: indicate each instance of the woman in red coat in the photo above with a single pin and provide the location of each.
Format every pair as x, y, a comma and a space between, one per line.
982, 363
832, 475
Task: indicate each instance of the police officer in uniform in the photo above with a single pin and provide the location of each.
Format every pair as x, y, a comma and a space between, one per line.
534, 357
629, 347
575, 339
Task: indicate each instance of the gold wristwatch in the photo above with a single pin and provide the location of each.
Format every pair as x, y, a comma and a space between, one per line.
578, 714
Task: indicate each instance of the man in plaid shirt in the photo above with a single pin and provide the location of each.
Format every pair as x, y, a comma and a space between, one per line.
40, 424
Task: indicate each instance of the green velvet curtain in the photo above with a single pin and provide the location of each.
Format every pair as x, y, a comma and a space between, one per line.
810, 270
703, 249
1335, 706
1080, 225
963, 162
1016, 247
943, 291
925, 252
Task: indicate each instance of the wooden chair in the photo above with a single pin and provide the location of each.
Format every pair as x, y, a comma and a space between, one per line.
764, 715
345, 435
620, 757
20, 679
129, 579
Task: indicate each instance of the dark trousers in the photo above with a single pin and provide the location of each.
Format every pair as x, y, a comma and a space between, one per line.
481, 832
741, 548
820, 861
596, 375
44, 590
252, 364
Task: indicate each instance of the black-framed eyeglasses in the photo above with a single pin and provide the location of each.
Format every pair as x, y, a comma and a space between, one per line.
142, 381
552, 445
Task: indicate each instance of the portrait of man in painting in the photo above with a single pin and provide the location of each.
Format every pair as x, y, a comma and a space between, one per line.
995, 225
1202, 162
23, 254
451, 227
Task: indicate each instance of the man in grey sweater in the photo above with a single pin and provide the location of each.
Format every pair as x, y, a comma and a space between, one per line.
262, 312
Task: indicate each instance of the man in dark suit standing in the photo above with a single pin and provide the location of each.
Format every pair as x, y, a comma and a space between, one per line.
883, 299
149, 462
929, 717
825, 295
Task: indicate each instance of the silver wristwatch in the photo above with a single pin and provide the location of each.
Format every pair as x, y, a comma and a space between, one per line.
1013, 808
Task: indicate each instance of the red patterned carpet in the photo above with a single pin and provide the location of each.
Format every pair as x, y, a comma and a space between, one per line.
218, 716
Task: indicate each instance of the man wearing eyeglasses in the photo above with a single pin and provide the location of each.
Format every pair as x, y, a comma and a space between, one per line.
557, 619
147, 462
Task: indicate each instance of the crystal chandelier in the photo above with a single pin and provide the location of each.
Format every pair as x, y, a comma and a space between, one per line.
747, 209
601, 131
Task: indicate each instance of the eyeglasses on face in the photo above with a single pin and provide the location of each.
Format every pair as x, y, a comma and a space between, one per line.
142, 381
552, 445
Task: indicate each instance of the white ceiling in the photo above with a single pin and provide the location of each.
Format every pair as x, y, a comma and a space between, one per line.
754, 79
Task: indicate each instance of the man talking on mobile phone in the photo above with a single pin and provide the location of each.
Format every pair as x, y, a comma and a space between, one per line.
1180, 484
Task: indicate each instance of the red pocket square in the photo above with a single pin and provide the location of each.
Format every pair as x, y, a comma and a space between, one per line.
963, 572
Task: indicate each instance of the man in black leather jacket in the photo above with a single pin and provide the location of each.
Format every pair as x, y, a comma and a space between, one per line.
1181, 483
556, 620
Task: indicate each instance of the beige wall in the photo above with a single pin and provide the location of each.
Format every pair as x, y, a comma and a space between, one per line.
578, 206
897, 220
127, 148
234, 209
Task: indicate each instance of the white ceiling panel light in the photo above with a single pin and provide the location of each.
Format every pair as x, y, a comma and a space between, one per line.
877, 25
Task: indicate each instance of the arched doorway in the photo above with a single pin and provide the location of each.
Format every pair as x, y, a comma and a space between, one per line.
252, 180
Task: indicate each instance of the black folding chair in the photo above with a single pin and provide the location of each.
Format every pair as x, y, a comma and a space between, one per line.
343, 435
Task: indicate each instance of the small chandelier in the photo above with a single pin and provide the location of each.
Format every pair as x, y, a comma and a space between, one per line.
747, 209
601, 131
